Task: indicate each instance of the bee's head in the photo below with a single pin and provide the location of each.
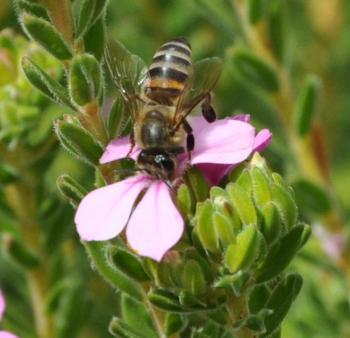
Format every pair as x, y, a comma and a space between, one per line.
158, 162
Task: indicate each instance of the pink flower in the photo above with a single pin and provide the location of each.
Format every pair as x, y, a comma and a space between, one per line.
153, 222
4, 334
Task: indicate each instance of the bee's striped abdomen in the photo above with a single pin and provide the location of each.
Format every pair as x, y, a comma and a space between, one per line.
169, 71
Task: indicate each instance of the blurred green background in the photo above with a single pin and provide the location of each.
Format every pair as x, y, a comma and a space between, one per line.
316, 38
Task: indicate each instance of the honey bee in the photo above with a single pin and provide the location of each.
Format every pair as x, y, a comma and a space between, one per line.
160, 99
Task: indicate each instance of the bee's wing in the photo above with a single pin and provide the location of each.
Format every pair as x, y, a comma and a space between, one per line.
127, 71
206, 73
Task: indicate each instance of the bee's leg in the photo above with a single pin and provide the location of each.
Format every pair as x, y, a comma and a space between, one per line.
189, 139
207, 109
132, 141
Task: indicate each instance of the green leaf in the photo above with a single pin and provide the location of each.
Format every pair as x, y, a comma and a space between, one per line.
255, 70
271, 225
70, 189
32, 8
22, 255
242, 204
277, 28
281, 254
312, 197
258, 298
255, 11
285, 205
115, 277
46, 35
174, 323
72, 311
136, 315
45, 83
118, 118
95, 39
197, 183
205, 229
260, 187
85, 79
306, 106
281, 300
165, 300
128, 263
185, 200
235, 282
118, 328
8, 174
78, 141
244, 180
241, 255
193, 278
224, 229
84, 17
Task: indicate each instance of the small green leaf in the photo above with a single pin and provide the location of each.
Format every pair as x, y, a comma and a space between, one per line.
241, 255
255, 10
281, 254
8, 174
95, 39
277, 28
224, 229
118, 328
22, 255
281, 300
32, 8
306, 106
242, 204
258, 298
205, 229
193, 278
234, 282
45, 83
285, 204
72, 311
118, 118
78, 141
244, 180
46, 35
271, 225
129, 263
185, 200
165, 300
70, 189
84, 17
197, 183
85, 79
135, 314
115, 277
261, 187
312, 197
174, 323
255, 70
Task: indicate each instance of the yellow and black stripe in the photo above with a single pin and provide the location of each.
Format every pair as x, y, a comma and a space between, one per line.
169, 71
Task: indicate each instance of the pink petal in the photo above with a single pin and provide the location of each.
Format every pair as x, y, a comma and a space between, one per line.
242, 117
213, 172
117, 149
262, 140
104, 212
155, 225
5, 334
226, 141
2, 304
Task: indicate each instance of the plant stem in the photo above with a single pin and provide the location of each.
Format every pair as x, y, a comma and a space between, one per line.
21, 198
